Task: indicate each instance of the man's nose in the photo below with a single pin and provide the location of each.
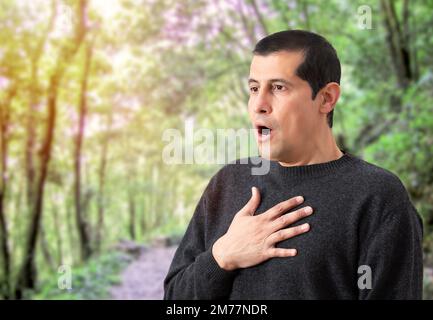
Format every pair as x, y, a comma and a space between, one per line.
262, 103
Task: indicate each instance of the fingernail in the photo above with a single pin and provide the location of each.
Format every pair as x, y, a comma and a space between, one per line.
305, 226
299, 199
308, 210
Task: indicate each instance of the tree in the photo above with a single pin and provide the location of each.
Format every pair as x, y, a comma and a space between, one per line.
27, 275
4, 241
82, 224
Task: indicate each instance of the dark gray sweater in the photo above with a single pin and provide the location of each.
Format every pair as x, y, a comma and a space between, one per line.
362, 216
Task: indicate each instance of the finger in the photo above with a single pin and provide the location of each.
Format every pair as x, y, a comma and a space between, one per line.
282, 207
252, 204
281, 253
285, 234
290, 218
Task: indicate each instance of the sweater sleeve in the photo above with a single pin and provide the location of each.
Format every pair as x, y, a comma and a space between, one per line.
194, 273
391, 245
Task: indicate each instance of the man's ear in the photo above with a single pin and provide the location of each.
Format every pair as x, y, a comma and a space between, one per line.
329, 96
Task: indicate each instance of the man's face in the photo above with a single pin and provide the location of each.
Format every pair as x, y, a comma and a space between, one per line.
281, 101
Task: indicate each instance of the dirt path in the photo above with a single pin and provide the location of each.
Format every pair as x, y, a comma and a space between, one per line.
143, 278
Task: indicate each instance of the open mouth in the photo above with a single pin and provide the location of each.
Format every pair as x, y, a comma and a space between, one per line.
264, 131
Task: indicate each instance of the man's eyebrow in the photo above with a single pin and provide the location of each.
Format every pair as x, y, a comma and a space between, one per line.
286, 82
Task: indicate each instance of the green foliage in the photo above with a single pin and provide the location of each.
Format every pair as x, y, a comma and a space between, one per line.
407, 149
89, 282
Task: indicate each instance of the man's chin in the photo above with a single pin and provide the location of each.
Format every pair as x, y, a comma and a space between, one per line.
269, 158
272, 156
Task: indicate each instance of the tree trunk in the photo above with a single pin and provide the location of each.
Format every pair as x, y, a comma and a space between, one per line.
57, 228
397, 37
146, 220
71, 235
101, 188
4, 238
82, 224
45, 248
36, 54
27, 275
132, 214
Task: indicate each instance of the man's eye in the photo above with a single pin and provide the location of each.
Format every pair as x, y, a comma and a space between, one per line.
278, 87
254, 89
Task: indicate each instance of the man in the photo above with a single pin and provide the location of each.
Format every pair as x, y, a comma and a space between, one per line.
361, 237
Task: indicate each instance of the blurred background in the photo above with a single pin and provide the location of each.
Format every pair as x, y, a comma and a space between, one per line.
88, 208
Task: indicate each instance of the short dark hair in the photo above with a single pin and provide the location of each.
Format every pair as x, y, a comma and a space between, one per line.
321, 64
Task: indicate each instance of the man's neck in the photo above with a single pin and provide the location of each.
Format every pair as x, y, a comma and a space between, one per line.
321, 150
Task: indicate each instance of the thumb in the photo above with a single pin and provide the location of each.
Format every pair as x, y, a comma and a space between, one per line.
250, 207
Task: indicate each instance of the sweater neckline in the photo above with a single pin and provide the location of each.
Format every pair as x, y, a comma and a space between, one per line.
312, 170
